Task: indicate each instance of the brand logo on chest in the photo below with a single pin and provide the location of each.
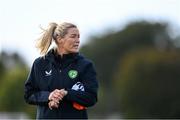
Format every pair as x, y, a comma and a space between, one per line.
48, 73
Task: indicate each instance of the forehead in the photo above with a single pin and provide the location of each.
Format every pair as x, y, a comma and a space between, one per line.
73, 31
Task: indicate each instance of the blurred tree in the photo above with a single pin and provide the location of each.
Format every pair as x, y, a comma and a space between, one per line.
11, 94
148, 84
111, 47
107, 51
177, 42
12, 84
110, 55
2, 68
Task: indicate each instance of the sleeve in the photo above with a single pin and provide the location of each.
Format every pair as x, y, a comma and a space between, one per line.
88, 97
32, 94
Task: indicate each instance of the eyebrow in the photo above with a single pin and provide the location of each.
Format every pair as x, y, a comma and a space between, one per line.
74, 34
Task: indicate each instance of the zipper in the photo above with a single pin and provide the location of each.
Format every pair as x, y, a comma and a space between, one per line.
61, 74
60, 68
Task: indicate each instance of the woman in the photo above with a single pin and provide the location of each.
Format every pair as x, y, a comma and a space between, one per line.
62, 83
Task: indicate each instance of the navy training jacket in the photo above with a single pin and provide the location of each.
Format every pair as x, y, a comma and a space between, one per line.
53, 72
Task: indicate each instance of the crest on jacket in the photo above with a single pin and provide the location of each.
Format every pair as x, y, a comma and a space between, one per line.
72, 74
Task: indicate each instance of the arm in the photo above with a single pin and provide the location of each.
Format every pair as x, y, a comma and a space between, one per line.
89, 96
32, 94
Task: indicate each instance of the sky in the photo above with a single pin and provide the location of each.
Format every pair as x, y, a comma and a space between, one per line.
21, 19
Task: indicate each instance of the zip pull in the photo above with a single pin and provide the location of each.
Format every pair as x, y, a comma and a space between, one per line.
60, 68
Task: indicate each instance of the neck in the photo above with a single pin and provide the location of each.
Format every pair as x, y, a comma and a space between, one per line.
61, 51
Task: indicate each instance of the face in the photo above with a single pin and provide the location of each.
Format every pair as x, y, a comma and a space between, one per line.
70, 42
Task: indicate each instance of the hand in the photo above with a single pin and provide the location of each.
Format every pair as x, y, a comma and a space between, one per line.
53, 104
56, 96
64, 92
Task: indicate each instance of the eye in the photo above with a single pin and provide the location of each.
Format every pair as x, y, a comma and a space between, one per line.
72, 36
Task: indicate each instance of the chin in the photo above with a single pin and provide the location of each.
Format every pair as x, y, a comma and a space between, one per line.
75, 51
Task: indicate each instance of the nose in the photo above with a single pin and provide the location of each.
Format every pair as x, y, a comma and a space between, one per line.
77, 40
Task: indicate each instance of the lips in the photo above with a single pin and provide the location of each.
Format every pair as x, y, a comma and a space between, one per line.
76, 46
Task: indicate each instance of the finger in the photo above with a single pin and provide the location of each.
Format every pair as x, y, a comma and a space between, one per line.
59, 95
56, 90
56, 100
50, 96
55, 95
63, 92
55, 105
50, 105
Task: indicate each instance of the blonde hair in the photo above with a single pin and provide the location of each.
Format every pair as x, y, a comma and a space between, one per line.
51, 33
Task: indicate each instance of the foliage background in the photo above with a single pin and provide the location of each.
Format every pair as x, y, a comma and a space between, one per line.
138, 72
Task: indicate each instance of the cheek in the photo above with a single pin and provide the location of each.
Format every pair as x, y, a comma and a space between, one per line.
69, 44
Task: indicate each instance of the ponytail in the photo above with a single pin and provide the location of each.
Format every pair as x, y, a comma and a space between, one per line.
51, 33
45, 40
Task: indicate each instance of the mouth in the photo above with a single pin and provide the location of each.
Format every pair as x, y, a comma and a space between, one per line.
75, 46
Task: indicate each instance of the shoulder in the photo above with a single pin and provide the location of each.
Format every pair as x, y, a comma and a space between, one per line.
84, 61
87, 67
47, 58
40, 61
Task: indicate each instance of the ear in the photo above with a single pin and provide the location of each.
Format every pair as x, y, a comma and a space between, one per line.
59, 40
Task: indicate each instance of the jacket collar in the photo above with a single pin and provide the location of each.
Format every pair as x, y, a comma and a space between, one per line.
66, 59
